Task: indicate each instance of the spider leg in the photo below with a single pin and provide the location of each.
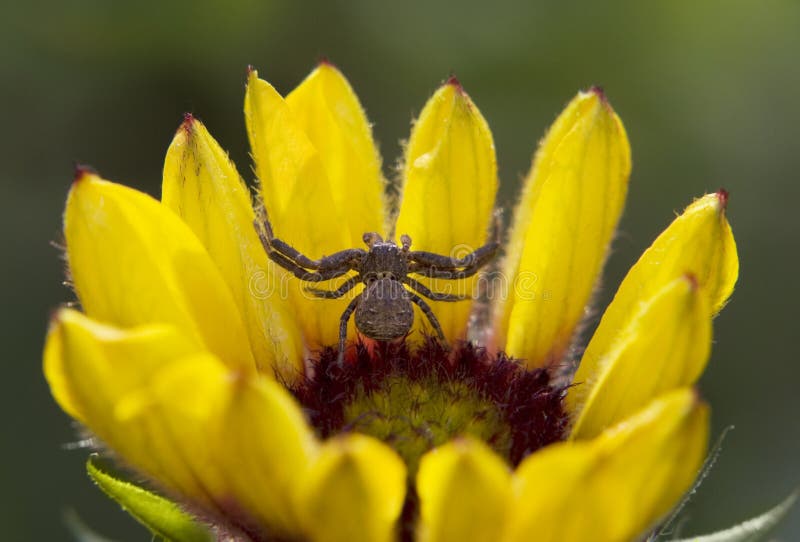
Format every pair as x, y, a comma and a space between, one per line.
332, 269
346, 286
438, 273
432, 259
272, 243
436, 296
343, 327
446, 267
429, 313
348, 258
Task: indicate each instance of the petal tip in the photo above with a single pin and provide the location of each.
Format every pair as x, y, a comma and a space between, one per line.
54, 318
598, 91
252, 74
723, 196
188, 123
81, 172
325, 62
455, 83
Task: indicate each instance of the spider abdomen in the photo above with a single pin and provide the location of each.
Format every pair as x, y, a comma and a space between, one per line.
384, 311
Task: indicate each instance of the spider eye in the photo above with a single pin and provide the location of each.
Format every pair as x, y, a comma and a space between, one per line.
370, 238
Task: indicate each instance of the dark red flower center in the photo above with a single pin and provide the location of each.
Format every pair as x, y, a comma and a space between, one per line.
417, 398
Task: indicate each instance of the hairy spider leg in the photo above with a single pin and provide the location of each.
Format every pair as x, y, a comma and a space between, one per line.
429, 313
347, 258
435, 270
332, 266
439, 266
346, 286
343, 327
446, 262
293, 267
264, 229
436, 296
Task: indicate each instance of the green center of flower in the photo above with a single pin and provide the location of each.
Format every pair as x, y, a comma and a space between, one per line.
414, 416
415, 399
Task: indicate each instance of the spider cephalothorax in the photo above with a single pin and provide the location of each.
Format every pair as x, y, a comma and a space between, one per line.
383, 310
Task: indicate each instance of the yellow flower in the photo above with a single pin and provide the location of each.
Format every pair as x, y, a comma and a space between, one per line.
212, 373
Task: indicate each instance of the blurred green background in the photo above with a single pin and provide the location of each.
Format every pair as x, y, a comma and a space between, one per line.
708, 92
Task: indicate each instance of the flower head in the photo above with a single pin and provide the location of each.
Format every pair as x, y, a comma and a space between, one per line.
210, 370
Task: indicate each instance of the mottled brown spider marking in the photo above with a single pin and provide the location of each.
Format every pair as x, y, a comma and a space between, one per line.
383, 310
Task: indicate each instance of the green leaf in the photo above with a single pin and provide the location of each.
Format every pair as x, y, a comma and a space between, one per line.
162, 517
752, 529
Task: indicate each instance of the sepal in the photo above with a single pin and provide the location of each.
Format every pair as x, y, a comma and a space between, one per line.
753, 529
162, 517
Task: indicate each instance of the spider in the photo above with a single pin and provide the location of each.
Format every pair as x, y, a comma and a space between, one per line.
383, 310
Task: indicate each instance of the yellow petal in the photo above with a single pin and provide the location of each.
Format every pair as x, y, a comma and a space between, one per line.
134, 262
91, 366
665, 346
354, 491
175, 411
570, 205
450, 182
88, 364
698, 243
300, 202
464, 490
58, 376
244, 440
203, 187
292, 176
264, 446
178, 415
282, 152
617, 486
329, 112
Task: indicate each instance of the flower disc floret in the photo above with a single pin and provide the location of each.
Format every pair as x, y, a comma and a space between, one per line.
417, 398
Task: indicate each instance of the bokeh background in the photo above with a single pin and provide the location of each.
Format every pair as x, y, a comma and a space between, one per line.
708, 92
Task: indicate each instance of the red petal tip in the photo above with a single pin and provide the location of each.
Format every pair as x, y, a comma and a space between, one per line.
188, 122
54, 317
598, 91
81, 172
453, 81
723, 196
